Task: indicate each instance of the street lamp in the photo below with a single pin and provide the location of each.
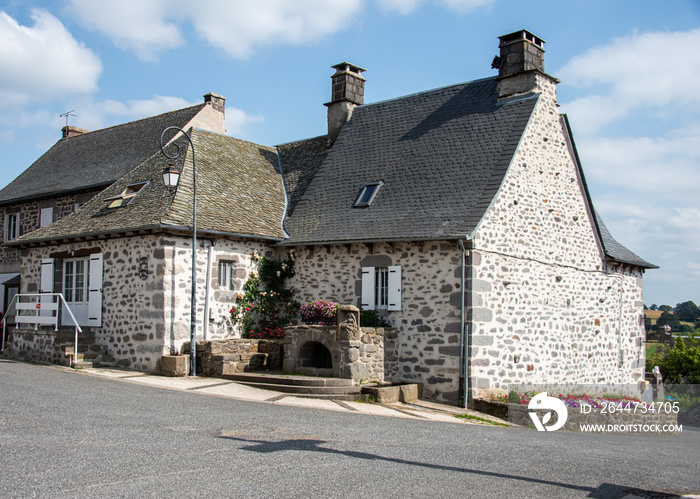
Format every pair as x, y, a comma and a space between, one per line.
171, 176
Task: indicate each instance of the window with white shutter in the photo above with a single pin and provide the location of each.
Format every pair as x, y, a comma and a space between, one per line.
381, 288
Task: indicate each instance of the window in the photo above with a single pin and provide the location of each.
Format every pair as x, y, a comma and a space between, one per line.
74, 281
46, 217
226, 275
381, 288
11, 226
367, 194
127, 195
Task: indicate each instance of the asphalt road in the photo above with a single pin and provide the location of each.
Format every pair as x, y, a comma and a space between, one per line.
66, 434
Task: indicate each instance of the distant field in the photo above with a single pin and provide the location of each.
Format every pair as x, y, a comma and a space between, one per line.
653, 314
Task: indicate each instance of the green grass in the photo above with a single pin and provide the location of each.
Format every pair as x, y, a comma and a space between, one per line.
477, 418
651, 348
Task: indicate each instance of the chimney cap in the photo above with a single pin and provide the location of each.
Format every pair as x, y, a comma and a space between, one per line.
68, 131
522, 35
346, 67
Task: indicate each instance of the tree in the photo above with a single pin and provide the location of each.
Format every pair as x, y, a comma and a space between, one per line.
668, 319
654, 306
679, 364
687, 311
666, 308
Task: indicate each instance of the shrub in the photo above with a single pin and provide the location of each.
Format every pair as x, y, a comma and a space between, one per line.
319, 312
679, 363
370, 318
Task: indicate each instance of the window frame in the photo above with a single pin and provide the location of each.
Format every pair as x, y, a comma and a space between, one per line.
8, 236
225, 275
127, 195
375, 186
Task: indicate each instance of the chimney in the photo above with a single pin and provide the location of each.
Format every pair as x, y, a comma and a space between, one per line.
72, 131
216, 101
522, 55
348, 91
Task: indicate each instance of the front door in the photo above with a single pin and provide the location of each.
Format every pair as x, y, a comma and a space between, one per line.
75, 290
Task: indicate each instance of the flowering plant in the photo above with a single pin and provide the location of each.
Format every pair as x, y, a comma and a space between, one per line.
577, 401
265, 304
268, 333
319, 311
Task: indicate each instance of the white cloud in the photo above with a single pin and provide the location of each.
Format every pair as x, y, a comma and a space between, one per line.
465, 6
43, 62
650, 71
238, 27
237, 120
666, 167
131, 24
402, 7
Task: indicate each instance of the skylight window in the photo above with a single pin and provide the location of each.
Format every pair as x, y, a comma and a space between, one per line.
368, 194
127, 195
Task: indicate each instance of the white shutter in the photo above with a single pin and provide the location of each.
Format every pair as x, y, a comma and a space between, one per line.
46, 281
47, 273
394, 288
46, 217
367, 302
94, 316
5, 228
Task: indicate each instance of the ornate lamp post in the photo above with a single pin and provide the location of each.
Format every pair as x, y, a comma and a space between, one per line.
171, 176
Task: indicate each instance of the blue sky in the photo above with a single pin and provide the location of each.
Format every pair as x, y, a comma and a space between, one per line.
629, 75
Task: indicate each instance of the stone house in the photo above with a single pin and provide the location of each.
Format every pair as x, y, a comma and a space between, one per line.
461, 214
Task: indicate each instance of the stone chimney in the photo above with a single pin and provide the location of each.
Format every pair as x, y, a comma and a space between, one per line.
72, 131
521, 57
348, 91
216, 101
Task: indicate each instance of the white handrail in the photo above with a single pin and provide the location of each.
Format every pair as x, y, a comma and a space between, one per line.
54, 322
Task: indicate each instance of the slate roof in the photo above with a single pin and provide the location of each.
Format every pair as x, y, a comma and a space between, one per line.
239, 189
440, 154
616, 251
300, 162
94, 159
239, 192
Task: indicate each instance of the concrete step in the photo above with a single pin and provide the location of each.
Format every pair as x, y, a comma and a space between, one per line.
282, 379
329, 391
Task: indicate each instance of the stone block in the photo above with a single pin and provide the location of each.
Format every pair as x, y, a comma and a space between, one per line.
384, 394
409, 393
174, 365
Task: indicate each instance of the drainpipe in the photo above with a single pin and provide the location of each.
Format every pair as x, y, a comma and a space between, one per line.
207, 286
464, 364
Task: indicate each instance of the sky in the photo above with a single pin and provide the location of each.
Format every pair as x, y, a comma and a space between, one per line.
629, 71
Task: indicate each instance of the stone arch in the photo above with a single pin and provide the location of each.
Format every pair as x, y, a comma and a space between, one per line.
316, 355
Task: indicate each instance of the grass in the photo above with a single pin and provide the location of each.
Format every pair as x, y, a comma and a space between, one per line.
651, 348
482, 420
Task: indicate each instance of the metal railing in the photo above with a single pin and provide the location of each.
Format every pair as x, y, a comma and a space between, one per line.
39, 305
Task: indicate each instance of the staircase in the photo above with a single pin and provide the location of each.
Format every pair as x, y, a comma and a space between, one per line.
300, 386
89, 353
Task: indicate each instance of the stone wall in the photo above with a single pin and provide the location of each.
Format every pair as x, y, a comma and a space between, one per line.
545, 307
428, 324
132, 329
218, 357
177, 275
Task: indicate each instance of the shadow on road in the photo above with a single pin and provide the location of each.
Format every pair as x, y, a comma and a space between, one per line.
603, 491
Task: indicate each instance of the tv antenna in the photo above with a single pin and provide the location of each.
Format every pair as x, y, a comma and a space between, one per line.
69, 113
